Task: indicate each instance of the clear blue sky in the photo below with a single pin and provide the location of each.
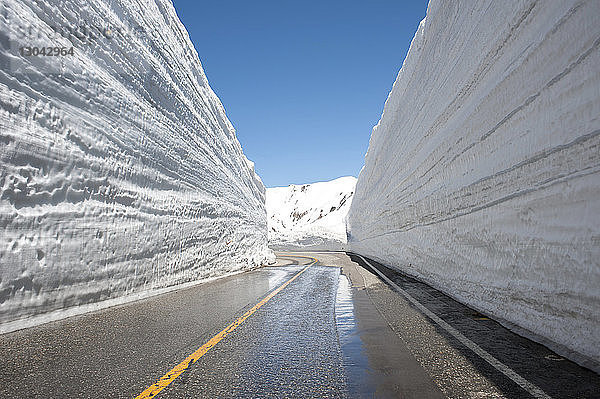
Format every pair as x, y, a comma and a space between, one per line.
303, 82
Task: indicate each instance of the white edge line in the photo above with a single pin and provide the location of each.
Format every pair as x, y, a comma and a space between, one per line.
498, 365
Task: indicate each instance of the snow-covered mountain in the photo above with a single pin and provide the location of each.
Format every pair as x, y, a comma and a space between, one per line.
309, 216
483, 175
120, 173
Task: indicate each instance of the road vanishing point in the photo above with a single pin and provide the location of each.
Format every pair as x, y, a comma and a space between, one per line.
313, 325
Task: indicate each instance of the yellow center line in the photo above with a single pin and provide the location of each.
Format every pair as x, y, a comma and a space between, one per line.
176, 371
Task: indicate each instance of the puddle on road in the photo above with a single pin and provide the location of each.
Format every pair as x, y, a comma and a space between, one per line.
356, 364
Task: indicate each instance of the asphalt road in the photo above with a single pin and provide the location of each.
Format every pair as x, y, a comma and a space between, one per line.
300, 328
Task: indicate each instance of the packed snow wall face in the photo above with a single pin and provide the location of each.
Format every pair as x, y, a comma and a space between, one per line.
119, 170
482, 176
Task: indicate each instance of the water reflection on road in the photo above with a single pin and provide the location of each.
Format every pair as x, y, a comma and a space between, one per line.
355, 361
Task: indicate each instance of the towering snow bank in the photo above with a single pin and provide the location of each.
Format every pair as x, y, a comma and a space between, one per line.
119, 171
482, 176
310, 216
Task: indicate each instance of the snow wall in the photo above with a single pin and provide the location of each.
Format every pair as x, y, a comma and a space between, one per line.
120, 172
482, 176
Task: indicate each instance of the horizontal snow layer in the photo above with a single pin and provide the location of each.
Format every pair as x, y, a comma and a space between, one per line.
482, 176
119, 171
309, 216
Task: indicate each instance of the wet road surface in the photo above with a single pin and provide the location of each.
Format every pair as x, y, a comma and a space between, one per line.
335, 329
456, 368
